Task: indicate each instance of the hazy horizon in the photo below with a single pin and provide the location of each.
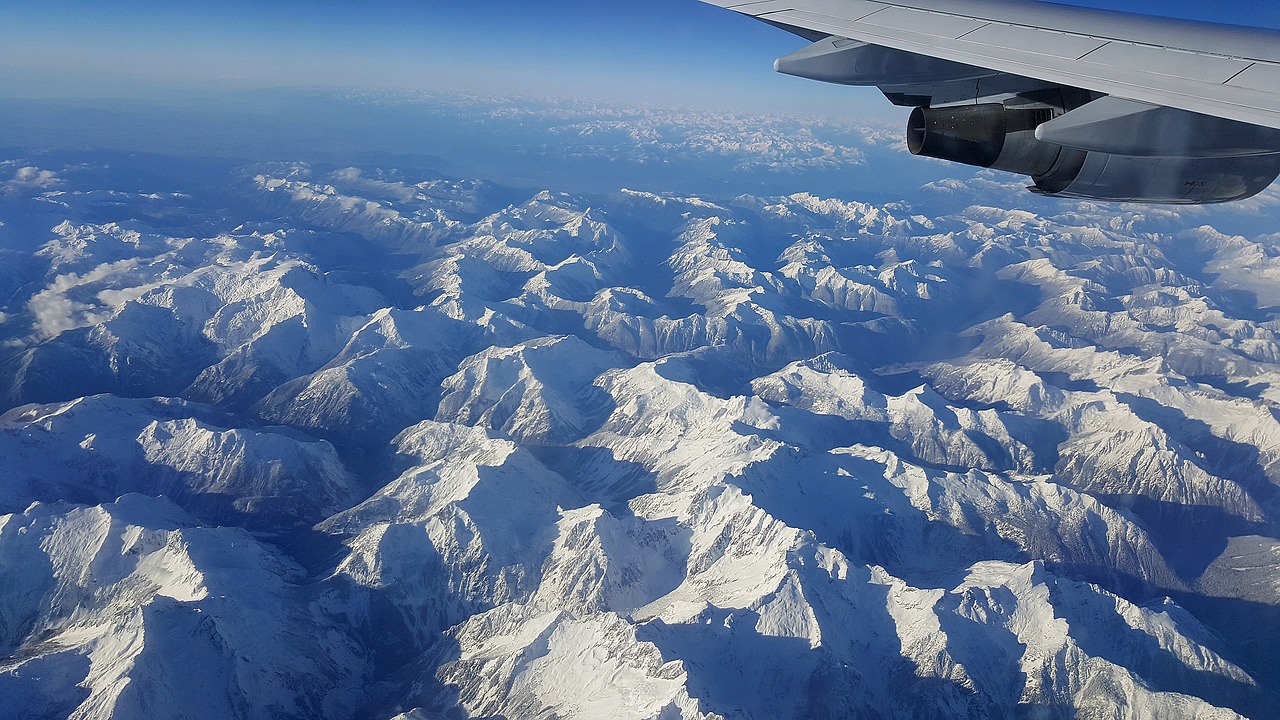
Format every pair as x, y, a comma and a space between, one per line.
668, 52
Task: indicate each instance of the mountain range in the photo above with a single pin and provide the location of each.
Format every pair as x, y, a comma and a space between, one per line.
343, 442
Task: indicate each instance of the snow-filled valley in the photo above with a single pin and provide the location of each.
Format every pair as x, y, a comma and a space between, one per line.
339, 442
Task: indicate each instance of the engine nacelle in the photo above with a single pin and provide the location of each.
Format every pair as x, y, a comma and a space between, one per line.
994, 136
1188, 181
849, 62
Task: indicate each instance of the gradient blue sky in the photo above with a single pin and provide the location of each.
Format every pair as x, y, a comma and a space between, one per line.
679, 51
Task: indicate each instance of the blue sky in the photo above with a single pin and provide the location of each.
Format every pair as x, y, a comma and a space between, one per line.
650, 50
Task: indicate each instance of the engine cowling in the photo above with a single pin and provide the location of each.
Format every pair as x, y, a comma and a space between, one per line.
1003, 138
1187, 181
992, 136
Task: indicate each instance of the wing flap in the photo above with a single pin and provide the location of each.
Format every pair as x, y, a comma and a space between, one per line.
1216, 70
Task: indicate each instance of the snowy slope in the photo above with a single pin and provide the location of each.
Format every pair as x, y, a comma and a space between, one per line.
130, 609
376, 445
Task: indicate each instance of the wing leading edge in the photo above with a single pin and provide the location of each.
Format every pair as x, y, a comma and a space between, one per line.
1087, 103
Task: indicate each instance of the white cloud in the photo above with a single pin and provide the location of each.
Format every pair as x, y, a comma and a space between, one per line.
55, 312
32, 178
351, 180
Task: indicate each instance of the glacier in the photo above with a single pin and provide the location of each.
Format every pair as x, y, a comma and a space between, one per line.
299, 439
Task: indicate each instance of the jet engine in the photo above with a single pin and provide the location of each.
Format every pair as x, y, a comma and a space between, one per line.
1004, 138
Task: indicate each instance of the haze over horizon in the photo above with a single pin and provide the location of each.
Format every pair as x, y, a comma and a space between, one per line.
670, 52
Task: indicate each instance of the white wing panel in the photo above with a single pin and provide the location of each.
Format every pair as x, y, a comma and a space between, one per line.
907, 20
1163, 61
1259, 76
847, 9
1054, 44
758, 9
1213, 69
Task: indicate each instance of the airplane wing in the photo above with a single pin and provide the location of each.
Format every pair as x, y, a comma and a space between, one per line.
1226, 71
1088, 103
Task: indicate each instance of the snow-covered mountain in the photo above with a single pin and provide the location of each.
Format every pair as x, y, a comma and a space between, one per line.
365, 446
